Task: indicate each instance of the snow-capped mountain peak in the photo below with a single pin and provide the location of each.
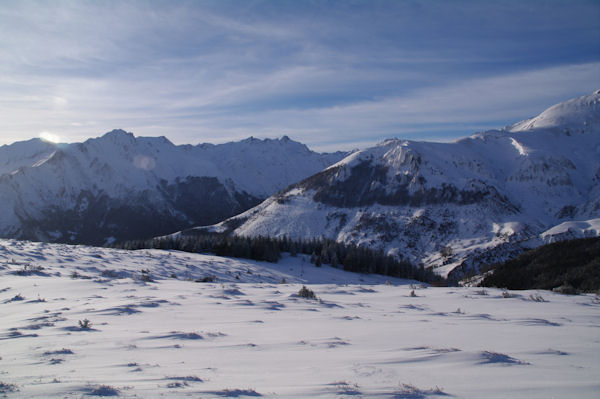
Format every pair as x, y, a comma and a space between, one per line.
494, 190
120, 185
582, 113
24, 153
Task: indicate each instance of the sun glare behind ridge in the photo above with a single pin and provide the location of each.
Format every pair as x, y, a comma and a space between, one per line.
53, 138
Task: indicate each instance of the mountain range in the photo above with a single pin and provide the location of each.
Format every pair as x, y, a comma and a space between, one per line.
451, 206
448, 206
119, 186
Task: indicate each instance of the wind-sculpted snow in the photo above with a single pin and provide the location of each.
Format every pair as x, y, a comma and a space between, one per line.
122, 187
450, 205
96, 322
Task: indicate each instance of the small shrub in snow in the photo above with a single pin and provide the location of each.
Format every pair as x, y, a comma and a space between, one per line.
76, 275
345, 388
506, 294
481, 292
307, 293
29, 270
6, 387
499, 358
235, 393
63, 351
85, 324
207, 279
410, 391
146, 277
104, 390
110, 274
183, 381
16, 298
537, 298
177, 384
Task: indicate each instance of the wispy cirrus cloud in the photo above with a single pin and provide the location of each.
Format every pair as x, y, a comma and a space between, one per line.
325, 73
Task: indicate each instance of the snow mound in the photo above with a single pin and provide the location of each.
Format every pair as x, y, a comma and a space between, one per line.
571, 230
583, 111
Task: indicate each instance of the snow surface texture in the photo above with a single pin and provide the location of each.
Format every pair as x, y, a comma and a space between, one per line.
152, 335
452, 206
62, 192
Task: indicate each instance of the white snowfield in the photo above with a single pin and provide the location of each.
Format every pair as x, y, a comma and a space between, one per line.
154, 332
570, 230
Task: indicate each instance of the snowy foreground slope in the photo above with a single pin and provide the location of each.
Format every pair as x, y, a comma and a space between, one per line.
452, 206
119, 186
245, 335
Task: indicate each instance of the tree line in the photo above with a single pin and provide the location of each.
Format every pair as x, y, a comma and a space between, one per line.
349, 257
572, 265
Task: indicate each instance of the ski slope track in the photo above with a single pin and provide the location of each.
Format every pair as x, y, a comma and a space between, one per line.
452, 206
119, 186
154, 331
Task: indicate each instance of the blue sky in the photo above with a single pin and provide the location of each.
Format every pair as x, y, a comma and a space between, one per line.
332, 74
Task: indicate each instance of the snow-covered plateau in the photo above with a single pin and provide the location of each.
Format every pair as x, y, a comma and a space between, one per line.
154, 331
452, 206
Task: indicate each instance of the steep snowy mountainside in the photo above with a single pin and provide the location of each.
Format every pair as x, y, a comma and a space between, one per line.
119, 186
494, 190
24, 153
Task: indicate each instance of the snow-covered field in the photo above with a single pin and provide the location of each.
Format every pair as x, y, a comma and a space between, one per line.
248, 335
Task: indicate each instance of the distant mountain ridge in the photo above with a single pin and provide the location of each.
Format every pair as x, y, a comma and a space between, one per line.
451, 206
119, 186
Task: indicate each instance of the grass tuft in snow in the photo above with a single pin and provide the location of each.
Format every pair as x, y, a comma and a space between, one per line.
104, 390
537, 298
346, 388
16, 298
85, 324
499, 358
409, 391
29, 270
6, 387
63, 351
236, 393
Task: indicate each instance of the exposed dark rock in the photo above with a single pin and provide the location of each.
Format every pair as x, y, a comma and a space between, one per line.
96, 217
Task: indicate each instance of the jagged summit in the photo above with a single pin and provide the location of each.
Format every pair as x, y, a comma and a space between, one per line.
119, 186
118, 132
